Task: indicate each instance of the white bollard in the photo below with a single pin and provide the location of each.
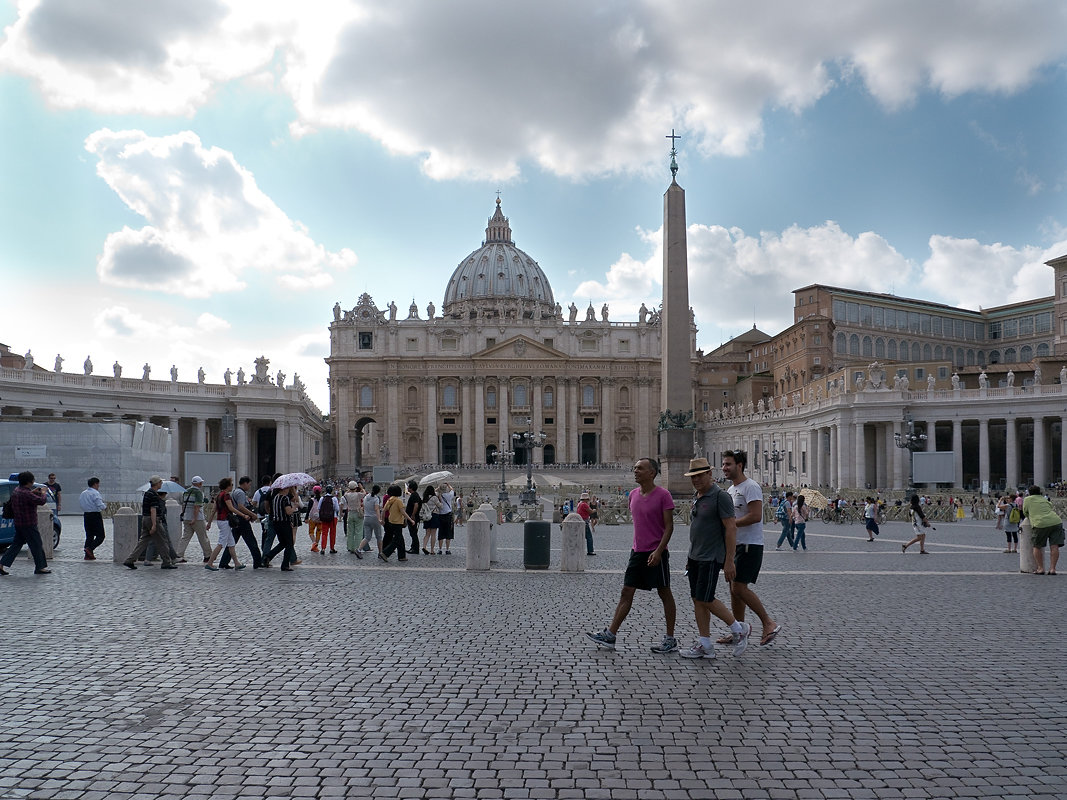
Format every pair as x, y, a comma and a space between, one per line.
1026, 547
174, 521
572, 556
478, 542
490, 514
124, 534
44, 525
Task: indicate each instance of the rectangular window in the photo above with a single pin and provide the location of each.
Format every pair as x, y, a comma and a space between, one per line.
817, 360
316, 451
449, 343
412, 344
818, 339
920, 374
489, 342
866, 314
890, 318
550, 342
366, 340
550, 420
803, 460
935, 326
1043, 322
913, 321
588, 420
1026, 326
924, 323
879, 316
588, 345
968, 330
839, 310
942, 372
449, 420
624, 345
490, 420
995, 330
958, 325
1011, 328
853, 314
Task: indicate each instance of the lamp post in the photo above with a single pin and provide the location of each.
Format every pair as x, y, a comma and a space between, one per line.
528, 441
503, 455
910, 441
775, 458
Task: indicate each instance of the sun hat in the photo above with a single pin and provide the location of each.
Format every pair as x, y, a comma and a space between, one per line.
698, 466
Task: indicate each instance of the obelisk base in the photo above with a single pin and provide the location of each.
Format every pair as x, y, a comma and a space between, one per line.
676, 448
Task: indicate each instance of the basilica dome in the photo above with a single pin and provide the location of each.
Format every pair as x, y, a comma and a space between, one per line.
497, 272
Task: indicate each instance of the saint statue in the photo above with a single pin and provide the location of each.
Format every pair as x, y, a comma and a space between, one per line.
117, 369
147, 371
280, 379
642, 314
431, 310
240, 376
227, 375
1037, 375
1011, 378
392, 311
173, 373
59, 363
955, 381
201, 376
336, 312
88, 366
930, 380
573, 312
983, 380
29, 359
604, 313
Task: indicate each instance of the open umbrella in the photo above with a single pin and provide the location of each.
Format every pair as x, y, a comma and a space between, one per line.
170, 487
435, 477
815, 498
293, 479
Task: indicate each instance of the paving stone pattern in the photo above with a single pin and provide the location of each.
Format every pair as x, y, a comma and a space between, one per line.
896, 676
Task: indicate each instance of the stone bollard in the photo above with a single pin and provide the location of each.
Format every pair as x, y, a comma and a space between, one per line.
490, 514
1026, 547
478, 542
44, 525
124, 535
572, 557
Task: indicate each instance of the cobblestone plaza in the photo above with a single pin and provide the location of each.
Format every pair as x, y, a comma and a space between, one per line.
895, 677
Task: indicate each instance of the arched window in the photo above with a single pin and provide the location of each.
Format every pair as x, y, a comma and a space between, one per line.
624, 397
450, 396
842, 344
490, 397
1026, 353
1010, 356
938, 353
548, 397
868, 346
970, 358
960, 358
854, 345
891, 349
490, 454
916, 351
366, 397
994, 356
520, 395
928, 353
981, 357
879, 347
413, 397
550, 454
588, 396
1042, 350
904, 350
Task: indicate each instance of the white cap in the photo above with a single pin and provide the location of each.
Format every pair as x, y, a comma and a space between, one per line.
197, 479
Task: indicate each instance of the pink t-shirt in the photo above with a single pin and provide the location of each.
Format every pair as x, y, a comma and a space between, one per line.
647, 512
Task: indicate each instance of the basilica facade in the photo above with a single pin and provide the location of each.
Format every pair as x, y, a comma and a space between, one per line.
500, 358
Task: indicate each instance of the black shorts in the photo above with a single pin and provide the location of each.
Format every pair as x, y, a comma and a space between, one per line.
640, 575
703, 577
748, 559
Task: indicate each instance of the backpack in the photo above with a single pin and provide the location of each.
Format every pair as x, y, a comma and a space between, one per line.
265, 499
782, 513
326, 509
1014, 515
426, 512
185, 504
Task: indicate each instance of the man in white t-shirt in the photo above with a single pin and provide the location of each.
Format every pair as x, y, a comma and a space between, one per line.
748, 512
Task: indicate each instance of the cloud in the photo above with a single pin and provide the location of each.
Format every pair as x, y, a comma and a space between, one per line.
479, 89
209, 223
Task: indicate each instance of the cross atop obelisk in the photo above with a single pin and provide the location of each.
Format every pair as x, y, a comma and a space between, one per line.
676, 422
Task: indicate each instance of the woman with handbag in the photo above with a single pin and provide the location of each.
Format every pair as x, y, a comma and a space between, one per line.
428, 514
800, 522
393, 518
919, 523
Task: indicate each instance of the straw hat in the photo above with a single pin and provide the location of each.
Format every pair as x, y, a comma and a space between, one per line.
698, 466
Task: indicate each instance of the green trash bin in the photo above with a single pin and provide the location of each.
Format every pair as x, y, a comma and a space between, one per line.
536, 543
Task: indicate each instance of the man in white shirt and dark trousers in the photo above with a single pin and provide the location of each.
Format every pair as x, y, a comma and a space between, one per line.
92, 506
748, 512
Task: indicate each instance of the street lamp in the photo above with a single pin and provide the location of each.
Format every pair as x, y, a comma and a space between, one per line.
775, 457
910, 441
528, 441
503, 455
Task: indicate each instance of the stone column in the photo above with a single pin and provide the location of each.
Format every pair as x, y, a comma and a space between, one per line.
465, 419
538, 453
200, 440
281, 447
607, 420
644, 444
983, 452
560, 443
342, 418
572, 421
957, 452
844, 446
1011, 457
832, 477
931, 436
431, 448
860, 479
885, 456
241, 468
176, 464
392, 413
503, 417
1040, 452
479, 420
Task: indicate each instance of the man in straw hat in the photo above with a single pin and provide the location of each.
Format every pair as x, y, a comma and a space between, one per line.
651, 508
712, 535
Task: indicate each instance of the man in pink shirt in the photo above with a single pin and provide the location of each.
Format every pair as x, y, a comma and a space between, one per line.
651, 508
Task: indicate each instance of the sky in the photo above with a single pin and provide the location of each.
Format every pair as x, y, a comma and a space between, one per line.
197, 182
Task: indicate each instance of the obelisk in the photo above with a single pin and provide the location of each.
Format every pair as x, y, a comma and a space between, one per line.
676, 425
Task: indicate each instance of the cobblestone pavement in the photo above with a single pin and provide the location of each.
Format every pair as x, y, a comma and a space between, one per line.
895, 676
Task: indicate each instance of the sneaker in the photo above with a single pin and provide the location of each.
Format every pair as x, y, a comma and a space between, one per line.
697, 651
741, 639
668, 645
605, 639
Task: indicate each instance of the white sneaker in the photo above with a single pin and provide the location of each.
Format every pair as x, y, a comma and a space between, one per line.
697, 651
604, 639
741, 639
